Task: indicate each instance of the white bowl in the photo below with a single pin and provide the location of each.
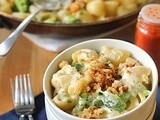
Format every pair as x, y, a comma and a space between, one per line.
52, 116
141, 112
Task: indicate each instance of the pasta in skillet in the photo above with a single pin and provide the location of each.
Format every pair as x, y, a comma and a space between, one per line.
77, 11
100, 84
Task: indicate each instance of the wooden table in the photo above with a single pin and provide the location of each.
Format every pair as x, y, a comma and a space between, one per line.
24, 57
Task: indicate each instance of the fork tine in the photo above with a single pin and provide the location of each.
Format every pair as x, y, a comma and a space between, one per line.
16, 98
26, 98
31, 97
21, 90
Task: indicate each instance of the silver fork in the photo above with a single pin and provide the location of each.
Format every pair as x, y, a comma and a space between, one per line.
23, 96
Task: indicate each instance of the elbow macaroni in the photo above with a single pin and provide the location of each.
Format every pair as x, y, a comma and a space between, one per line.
93, 79
82, 11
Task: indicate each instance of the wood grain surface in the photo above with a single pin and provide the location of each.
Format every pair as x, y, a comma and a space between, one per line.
24, 57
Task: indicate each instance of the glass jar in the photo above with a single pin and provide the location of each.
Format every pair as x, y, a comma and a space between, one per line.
147, 35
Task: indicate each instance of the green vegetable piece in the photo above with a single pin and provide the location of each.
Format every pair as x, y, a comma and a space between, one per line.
114, 102
70, 19
125, 96
50, 20
146, 92
22, 5
84, 95
98, 103
78, 66
120, 106
100, 93
85, 100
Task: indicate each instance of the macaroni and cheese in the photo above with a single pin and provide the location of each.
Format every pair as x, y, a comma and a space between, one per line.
100, 84
79, 11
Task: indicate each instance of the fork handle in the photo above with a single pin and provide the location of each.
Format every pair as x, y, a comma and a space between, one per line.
7, 44
30, 117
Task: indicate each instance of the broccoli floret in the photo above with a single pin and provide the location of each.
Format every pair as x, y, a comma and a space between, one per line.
22, 5
114, 102
98, 103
